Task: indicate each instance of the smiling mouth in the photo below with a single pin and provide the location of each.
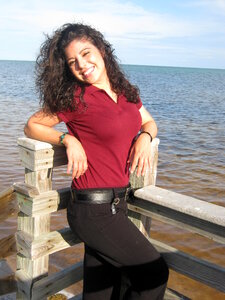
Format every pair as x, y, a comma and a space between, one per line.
88, 72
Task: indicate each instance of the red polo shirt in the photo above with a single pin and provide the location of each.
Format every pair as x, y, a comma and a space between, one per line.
106, 130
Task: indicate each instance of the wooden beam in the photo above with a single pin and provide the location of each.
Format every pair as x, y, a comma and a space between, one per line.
193, 267
177, 209
188, 205
45, 203
26, 189
186, 264
57, 281
33, 144
64, 197
45, 244
36, 155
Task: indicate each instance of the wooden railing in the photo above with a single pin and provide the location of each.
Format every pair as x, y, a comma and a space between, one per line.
37, 200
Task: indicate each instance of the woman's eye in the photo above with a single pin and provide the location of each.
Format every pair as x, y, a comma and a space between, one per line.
71, 63
85, 53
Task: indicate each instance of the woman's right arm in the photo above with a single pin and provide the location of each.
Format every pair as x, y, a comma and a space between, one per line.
40, 127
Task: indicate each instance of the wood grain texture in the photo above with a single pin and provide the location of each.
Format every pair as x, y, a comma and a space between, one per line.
45, 244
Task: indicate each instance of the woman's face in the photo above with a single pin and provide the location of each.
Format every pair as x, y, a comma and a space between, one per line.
86, 63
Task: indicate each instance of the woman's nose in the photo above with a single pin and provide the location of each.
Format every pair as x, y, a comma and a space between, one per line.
81, 63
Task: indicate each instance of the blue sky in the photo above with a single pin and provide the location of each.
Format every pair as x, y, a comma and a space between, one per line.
185, 33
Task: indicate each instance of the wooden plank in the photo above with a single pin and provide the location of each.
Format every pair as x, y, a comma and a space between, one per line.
60, 156
32, 150
42, 204
36, 160
26, 189
175, 217
173, 295
143, 223
169, 217
41, 179
33, 144
64, 197
45, 244
33, 226
185, 204
196, 268
193, 267
24, 284
58, 281
35, 269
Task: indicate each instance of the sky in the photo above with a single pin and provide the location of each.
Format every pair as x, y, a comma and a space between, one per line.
182, 33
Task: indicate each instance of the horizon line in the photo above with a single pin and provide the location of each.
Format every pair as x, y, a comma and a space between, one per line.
141, 65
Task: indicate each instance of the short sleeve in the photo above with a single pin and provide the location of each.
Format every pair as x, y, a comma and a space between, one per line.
139, 104
62, 116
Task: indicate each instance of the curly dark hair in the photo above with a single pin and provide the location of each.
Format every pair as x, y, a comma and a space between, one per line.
55, 82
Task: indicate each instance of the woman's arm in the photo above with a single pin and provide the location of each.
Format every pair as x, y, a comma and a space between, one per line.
40, 127
140, 152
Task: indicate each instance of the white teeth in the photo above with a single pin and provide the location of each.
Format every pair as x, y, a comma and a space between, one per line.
88, 71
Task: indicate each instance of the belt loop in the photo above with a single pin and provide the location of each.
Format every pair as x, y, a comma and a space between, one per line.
73, 195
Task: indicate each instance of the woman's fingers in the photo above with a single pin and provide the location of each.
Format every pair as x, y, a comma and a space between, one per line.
141, 163
146, 165
69, 166
78, 167
134, 163
140, 166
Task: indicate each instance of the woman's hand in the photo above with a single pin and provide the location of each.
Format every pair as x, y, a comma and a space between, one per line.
140, 154
77, 159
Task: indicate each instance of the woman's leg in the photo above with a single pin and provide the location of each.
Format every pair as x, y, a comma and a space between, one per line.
101, 279
118, 241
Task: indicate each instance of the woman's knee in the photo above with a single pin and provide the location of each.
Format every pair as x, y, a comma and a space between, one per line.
149, 275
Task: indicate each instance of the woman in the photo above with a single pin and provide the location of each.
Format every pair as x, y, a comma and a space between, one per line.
81, 84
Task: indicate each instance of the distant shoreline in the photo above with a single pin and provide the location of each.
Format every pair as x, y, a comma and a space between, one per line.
135, 65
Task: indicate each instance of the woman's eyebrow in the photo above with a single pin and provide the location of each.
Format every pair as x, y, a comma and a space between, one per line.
87, 48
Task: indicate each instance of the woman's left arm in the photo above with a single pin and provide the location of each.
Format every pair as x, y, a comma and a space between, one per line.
140, 151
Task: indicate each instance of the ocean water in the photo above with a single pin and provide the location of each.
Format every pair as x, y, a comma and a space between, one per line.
188, 105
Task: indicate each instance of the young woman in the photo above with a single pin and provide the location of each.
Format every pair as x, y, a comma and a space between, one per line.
81, 84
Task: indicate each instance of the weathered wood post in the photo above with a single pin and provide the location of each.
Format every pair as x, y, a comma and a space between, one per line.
36, 201
141, 221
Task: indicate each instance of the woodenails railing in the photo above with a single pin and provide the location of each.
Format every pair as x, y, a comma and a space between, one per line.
37, 200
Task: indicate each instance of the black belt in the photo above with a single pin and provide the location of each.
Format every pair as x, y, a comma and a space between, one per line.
100, 196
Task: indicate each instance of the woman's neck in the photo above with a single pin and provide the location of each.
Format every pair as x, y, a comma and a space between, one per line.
107, 88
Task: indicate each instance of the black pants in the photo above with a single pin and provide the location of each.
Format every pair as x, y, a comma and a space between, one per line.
119, 262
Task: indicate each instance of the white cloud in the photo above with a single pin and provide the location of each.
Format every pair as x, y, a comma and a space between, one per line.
115, 19
128, 26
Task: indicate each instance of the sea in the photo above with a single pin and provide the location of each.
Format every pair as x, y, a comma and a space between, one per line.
188, 105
